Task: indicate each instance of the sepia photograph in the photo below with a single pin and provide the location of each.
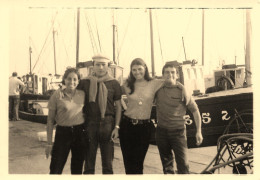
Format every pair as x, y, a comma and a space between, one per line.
129, 88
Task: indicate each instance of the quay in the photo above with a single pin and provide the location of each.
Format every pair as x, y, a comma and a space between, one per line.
27, 153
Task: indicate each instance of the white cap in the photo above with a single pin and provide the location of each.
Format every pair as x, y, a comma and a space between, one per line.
101, 58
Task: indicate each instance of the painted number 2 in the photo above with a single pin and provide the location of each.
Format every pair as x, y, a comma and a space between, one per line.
224, 115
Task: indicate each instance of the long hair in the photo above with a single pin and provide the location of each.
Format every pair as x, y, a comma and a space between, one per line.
131, 79
67, 72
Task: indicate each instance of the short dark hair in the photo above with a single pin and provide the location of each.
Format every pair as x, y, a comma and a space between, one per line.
14, 74
167, 65
67, 72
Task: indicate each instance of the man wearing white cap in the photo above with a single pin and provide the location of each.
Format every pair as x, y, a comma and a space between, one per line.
103, 113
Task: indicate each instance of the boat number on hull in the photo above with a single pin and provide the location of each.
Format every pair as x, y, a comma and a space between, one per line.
206, 119
224, 115
187, 119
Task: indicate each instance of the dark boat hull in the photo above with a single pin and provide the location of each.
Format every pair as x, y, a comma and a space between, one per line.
26, 110
39, 118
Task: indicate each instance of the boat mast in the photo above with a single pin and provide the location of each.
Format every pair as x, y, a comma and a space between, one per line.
77, 43
30, 52
202, 53
152, 48
248, 48
114, 48
53, 35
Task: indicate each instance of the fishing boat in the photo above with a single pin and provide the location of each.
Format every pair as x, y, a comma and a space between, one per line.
37, 91
226, 107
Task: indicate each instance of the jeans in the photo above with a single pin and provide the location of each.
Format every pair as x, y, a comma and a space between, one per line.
14, 107
99, 134
66, 139
168, 140
134, 142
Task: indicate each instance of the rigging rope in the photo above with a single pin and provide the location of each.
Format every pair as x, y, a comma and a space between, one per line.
91, 35
159, 35
64, 45
46, 40
100, 48
119, 49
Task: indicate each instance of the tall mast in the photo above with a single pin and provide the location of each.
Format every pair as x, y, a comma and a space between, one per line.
114, 46
202, 53
151, 34
77, 43
53, 35
248, 48
30, 52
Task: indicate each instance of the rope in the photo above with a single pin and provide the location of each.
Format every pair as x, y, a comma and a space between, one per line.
45, 40
91, 35
100, 48
64, 45
159, 36
119, 49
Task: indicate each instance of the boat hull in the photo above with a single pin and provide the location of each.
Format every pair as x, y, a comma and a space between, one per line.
38, 118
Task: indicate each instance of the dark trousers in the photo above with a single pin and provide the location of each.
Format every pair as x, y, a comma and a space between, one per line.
168, 140
99, 134
66, 139
14, 107
134, 142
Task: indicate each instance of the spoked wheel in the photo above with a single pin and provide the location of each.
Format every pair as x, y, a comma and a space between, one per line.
235, 155
225, 83
242, 122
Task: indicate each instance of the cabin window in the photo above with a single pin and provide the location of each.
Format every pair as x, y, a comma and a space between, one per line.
188, 72
195, 73
238, 73
192, 74
201, 73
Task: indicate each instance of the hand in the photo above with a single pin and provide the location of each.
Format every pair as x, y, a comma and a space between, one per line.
48, 150
199, 138
114, 134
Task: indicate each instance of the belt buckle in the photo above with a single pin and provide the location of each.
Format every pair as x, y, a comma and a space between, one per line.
134, 121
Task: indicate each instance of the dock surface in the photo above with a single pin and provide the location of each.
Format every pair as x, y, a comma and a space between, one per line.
26, 153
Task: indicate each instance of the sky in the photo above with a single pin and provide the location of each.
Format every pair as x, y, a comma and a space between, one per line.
224, 34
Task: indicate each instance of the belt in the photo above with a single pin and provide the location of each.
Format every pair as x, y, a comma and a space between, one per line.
137, 121
71, 127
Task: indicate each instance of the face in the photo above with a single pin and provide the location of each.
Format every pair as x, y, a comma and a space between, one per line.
71, 81
138, 71
170, 75
100, 68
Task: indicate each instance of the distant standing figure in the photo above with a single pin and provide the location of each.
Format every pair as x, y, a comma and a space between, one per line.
171, 129
14, 96
65, 107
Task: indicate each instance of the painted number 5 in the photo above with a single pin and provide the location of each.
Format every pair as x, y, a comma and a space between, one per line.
205, 118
